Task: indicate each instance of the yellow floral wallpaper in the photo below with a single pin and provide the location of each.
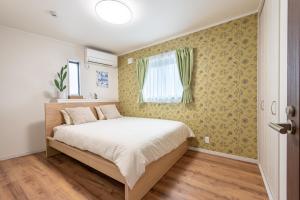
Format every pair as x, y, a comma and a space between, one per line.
224, 87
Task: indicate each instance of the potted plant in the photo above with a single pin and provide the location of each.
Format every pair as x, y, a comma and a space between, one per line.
59, 82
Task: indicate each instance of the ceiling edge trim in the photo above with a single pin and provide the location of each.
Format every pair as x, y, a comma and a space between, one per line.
189, 32
260, 6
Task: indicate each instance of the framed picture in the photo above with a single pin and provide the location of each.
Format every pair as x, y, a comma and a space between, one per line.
102, 79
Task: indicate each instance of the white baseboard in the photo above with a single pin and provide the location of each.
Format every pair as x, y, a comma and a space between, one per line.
216, 153
265, 182
6, 157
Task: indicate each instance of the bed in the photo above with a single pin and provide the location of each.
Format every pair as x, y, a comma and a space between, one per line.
134, 151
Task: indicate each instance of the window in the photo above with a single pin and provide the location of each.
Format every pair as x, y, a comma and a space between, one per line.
162, 81
74, 83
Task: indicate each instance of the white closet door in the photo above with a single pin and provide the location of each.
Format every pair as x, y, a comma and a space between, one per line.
269, 93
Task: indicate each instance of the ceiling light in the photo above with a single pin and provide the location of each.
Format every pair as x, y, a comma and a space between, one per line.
113, 11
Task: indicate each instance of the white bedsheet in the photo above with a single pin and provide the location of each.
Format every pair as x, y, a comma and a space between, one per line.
131, 143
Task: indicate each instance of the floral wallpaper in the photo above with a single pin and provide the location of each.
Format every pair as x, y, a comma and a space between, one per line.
224, 87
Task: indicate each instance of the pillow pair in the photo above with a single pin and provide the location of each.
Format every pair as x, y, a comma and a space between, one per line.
80, 115
107, 112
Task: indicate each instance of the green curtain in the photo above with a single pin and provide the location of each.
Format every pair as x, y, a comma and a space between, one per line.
141, 65
185, 66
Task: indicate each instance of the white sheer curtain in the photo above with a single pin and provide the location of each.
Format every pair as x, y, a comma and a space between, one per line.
162, 81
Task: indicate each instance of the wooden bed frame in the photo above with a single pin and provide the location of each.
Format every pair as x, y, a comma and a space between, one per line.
152, 175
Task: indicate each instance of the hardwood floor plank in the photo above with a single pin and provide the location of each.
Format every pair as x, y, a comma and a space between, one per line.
188, 192
222, 173
216, 186
247, 167
15, 191
196, 176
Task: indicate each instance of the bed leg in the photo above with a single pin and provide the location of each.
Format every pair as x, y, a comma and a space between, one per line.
127, 192
51, 152
131, 194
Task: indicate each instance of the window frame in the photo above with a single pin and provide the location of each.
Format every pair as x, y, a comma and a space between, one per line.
165, 101
79, 82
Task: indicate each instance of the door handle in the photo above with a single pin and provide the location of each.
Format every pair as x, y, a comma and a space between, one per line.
290, 111
262, 105
272, 108
284, 128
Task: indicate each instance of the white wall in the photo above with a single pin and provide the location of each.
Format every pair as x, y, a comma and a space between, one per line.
28, 65
88, 79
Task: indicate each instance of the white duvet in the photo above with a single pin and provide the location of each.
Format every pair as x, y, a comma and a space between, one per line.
130, 143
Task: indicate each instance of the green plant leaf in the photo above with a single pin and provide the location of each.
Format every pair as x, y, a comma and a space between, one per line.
64, 76
61, 84
65, 66
56, 84
64, 87
61, 71
58, 75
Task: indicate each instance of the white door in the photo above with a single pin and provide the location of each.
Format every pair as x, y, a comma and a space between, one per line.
269, 93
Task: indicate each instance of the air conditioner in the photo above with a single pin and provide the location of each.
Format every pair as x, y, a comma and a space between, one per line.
97, 57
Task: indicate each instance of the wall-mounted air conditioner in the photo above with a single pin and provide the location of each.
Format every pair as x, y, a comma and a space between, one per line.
97, 57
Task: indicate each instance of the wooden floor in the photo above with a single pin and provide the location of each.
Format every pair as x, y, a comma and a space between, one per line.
196, 176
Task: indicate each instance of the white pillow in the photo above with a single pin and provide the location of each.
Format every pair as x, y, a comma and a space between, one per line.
110, 111
67, 117
100, 113
80, 115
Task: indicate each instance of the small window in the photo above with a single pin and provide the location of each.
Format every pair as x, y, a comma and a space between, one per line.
74, 83
162, 81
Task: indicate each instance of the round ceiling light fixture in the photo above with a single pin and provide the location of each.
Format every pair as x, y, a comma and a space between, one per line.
113, 11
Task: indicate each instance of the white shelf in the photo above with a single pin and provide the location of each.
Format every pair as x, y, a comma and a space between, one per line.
84, 100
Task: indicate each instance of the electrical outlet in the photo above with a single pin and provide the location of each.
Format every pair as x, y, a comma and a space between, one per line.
206, 139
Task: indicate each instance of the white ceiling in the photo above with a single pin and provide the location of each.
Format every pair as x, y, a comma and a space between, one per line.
153, 20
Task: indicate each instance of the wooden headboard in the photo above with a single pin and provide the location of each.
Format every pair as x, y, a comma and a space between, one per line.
53, 116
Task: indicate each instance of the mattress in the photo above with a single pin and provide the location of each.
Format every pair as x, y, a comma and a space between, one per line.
130, 143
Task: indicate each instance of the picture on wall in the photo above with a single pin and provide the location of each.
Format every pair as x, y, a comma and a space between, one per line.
102, 79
